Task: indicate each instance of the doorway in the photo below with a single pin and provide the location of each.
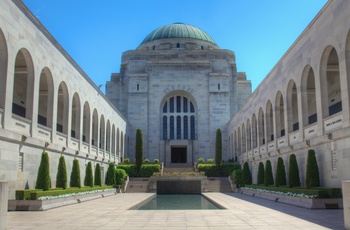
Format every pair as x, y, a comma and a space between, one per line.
178, 154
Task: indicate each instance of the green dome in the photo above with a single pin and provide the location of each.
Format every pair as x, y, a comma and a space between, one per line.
178, 30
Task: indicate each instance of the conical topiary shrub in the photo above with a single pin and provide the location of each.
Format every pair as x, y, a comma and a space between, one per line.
280, 173
293, 172
261, 172
246, 175
43, 178
120, 176
61, 178
312, 173
268, 177
98, 175
75, 175
218, 148
110, 179
89, 180
138, 150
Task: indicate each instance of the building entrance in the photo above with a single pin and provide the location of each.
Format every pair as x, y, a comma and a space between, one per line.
178, 154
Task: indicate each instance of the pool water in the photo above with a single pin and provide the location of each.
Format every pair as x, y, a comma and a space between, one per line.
177, 202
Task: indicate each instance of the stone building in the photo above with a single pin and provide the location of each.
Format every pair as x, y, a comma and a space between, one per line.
303, 103
48, 103
178, 87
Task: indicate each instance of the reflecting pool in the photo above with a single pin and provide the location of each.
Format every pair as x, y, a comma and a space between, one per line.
177, 202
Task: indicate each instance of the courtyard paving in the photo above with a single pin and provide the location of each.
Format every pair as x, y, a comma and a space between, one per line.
243, 212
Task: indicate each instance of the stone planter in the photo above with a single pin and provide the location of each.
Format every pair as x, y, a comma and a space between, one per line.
43, 205
322, 203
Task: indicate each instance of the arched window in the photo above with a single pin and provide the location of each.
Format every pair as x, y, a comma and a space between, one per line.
23, 85
3, 69
254, 131
108, 136
75, 132
280, 115
292, 107
309, 95
178, 119
62, 109
102, 145
45, 108
249, 136
261, 121
95, 128
269, 122
86, 123
330, 80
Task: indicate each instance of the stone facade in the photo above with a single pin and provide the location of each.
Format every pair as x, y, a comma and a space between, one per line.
178, 68
303, 103
47, 103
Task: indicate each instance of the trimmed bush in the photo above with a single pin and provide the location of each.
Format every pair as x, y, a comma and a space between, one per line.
89, 179
98, 175
120, 176
43, 178
261, 173
293, 172
280, 173
246, 175
156, 160
61, 178
218, 147
213, 170
201, 160
146, 160
130, 169
268, 177
312, 173
320, 192
110, 178
237, 177
148, 170
75, 175
138, 149
210, 160
126, 161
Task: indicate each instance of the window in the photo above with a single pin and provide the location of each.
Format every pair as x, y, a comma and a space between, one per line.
138, 87
219, 86
20, 162
179, 122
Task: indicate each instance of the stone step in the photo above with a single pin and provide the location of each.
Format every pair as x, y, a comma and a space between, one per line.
218, 185
137, 186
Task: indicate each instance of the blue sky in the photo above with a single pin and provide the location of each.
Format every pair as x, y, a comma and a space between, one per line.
96, 34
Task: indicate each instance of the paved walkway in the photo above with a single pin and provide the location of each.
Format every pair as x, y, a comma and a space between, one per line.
243, 212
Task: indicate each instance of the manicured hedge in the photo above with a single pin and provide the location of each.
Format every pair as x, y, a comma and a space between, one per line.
246, 174
213, 170
320, 192
34, 194
146, 170
43, 178
237, 177
120, 175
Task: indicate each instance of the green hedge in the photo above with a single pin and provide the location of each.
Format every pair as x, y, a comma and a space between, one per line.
213, 170
120, 176
320, 192
27, 194
37, 194
146, 170
237, 177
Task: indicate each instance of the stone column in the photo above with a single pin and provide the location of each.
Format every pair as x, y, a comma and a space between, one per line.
346, 203
3, 204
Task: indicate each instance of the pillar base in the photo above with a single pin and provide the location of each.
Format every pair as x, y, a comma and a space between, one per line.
346, 203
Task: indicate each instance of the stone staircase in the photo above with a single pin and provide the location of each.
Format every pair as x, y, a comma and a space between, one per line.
178, 168
137, 185
218, 184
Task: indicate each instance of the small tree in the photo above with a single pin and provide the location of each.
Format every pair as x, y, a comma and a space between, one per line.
75, 175
293, 172
43, 178
110, 179
120, 176
218, 148
312, 173
280, 173
98, 175
268, 177
246, 175
261, 172
89, 179
138, 150
61, 178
